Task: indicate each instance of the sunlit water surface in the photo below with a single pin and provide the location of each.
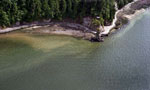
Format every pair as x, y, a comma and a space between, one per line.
43, 62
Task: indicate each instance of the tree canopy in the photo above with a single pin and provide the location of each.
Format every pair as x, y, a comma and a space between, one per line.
12, 11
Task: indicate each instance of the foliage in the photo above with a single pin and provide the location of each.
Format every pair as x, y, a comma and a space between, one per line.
121, 3
4, 19
96, 22
12, 11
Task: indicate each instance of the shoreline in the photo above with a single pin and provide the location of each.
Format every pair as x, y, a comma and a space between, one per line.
131, 11
69, 29
122, 15
78, 30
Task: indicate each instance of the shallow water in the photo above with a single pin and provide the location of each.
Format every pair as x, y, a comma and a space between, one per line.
37, 62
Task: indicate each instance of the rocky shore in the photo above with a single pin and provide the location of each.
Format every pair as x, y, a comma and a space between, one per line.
62, 28
130, 11
122, 17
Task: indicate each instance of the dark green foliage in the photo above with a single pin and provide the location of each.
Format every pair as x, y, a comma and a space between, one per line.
12, 11
14, 16
121, 3
63, 7
46, 10
33, 10
4, 21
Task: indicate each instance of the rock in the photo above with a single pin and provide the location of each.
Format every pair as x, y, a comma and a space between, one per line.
87, 21
17, 23
47, 21
94, 39
25, 23
35, 22
140, 4
104, 35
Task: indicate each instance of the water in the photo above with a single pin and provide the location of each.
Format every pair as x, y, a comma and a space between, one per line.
37, 62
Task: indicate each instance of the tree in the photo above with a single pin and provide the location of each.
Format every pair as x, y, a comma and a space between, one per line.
52, 5
58, 14
31, 10
37, 9
63, 7
46, 10
4, 20
14, 15
69, 8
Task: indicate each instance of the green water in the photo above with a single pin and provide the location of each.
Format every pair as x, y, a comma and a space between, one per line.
37, 62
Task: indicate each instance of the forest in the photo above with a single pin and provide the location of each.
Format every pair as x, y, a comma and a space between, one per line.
12, 11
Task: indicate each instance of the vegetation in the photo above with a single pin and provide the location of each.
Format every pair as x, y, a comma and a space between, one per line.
12, 11
121, 3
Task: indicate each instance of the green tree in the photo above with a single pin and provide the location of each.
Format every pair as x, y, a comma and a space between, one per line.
30, 10
46, 10
33, 9
63, 7
69, 7
4, 20
14, 14
58, 14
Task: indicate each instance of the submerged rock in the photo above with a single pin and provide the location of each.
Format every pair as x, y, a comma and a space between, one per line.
94, 39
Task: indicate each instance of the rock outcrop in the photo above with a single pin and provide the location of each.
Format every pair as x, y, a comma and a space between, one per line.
130, 11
